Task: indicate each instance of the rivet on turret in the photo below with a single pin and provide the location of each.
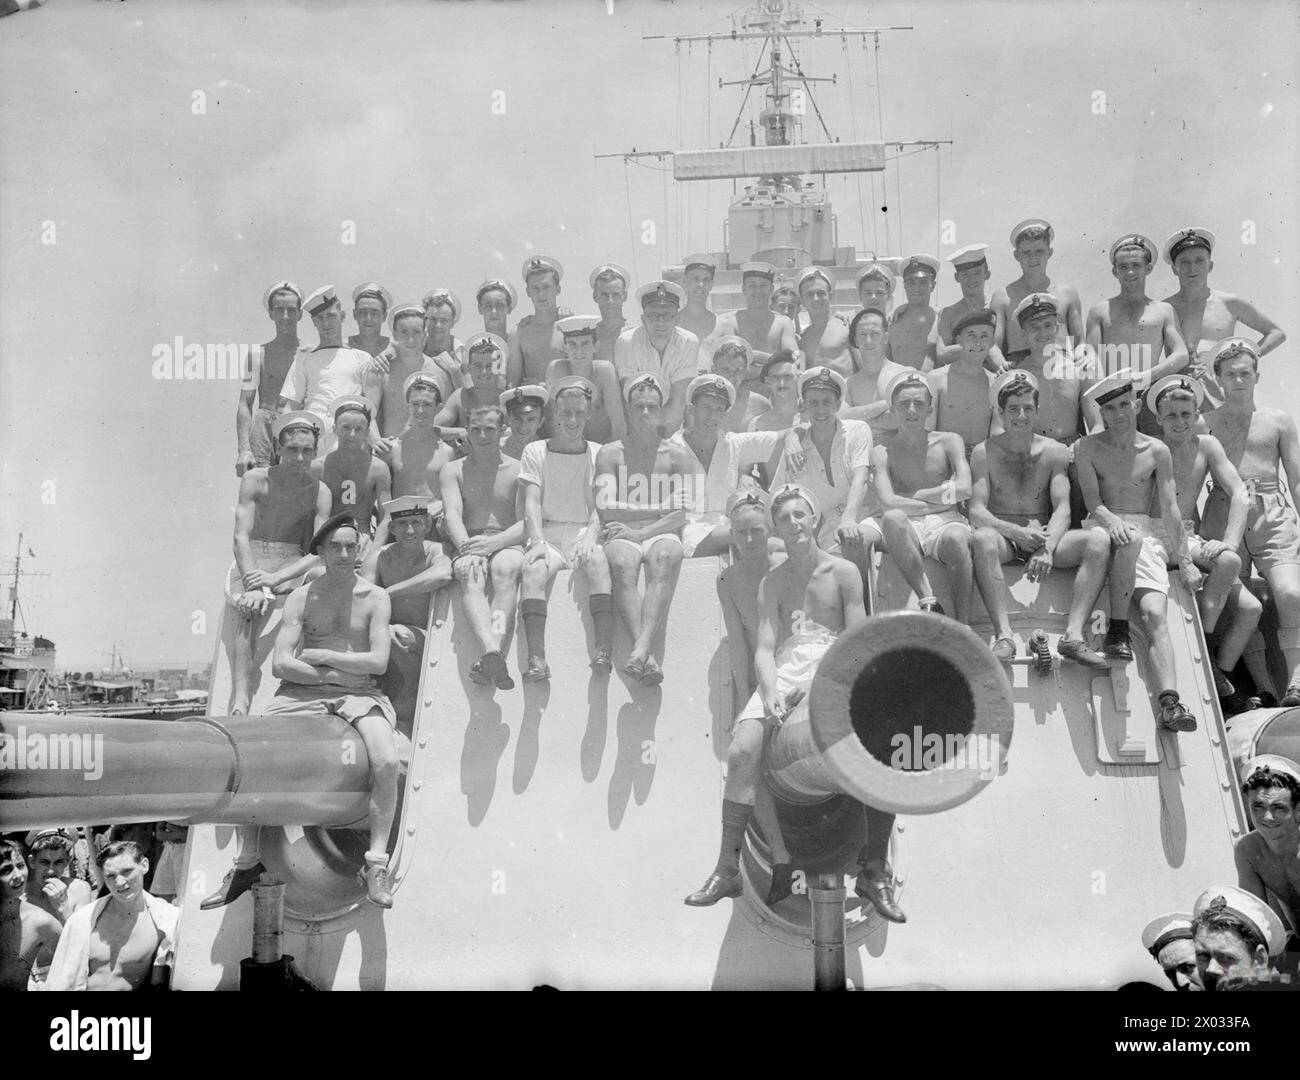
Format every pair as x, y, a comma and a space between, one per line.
423, 743
417, 785
410, 830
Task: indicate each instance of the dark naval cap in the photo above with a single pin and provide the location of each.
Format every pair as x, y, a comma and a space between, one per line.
982, 317
339, 521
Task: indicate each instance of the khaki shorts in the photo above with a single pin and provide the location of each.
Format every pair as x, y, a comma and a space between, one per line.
348, 703
268, 555
1151, 570
929, 528
1272, 536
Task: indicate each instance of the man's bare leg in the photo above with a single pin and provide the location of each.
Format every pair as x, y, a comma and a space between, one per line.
1089, 550
241, 664
470, 573
663, 564
1284, 584
1221, 575
953, 550
986, 559
624, 568
1243, 611
1152, 608
504, 570
900, 540
377, 736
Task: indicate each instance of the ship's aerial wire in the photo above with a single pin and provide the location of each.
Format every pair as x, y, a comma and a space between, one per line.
898, 183
798, 70
748, 87
708, 133
631, 226
853, 121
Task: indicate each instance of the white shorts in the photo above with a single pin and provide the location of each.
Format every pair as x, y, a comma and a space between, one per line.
796, 664
1152, 558
646, 546
929, 528
268, 555
698, 527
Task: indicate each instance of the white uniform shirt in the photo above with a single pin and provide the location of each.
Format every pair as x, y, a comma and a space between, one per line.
634, 354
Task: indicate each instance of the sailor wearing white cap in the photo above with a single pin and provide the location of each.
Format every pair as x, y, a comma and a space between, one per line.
720, 457
268, 364
485, 360
442, 347
971, 272
730, 358
605, 419
1207, 315
496, 299
1168, 938
765, 330
609, 288
536, 341
330, 370
660, 346
1237, 936
371, 303
1132, 329
51, 888
698, 271
404, 357
825, 340
876, 284
1031, 246
420, 450
910, 326
525, 408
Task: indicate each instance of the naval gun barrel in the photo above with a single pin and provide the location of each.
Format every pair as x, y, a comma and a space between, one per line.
1264, 731
910, 713
238, 770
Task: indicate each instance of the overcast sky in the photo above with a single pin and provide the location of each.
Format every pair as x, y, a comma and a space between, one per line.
169, 222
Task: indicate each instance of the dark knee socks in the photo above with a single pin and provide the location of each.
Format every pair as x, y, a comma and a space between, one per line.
534, 615
601, 606
735, 816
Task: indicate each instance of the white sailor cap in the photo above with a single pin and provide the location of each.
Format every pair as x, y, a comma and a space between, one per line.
281, 286
1228, 348
1192, 237
1032, 223
1163, 929
646, 378
747, 496
575, 382
525, 395
970, 255
661, 292
404, 309
485, 342
904, 379
443, 296
1019, 378
578, 324
1174, 382
66, 835
708, 383
536, 263
610, 268
351, 401
785, 490
1247, 906
701, 259
760, 269
321, 300
811, 274
978, 317
1270, 763
424, 379
1111, 387
1134, 240
919, 264
1034, 305
823, 378
372, 288
881, 270
407, 505
501, 284
298, 418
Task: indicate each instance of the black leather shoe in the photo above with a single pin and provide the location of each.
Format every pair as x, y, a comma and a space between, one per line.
1117, 646
602, 659
1175, 717
1291, 697
782, 884
1075, 649
876, 884
378, 889
715, 889
932, 606
233, 886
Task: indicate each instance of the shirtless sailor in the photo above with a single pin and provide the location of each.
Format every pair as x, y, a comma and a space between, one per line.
441, 348
525, 408
1258, 439
876, 284
1031, 246
359, 483
864, 398
123, 941
1020, 511
403, 358
785, 301
642, 495
1205, 315
913, 333
279, 509
26, 931
562, 528
1123, 475
1131, 331
920, 477
695, 316
332, 646
330, 370
1268, 859
371, 303
609, 288
268, 366
605, 419
1054, 368
482, 523
764, 329
496, 299
420, 451
731, 360
485, 359
1177, 402
51, 886
825, 340
971, 270
961, 388
536, 341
